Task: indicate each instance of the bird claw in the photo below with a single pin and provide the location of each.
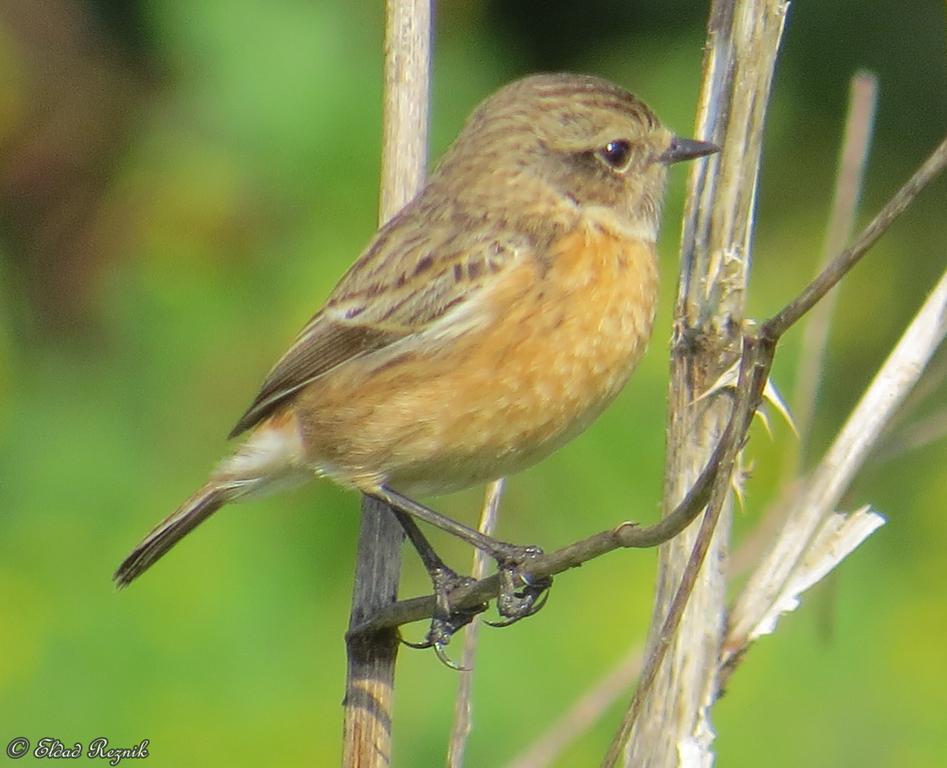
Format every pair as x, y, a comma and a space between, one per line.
515, 605
439, 651
518, 592
446, 620
519, 596
447, 661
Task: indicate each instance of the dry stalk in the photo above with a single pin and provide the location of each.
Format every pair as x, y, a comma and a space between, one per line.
463, 704
853, 157
666, 719
755, 609
856, 142
369, 687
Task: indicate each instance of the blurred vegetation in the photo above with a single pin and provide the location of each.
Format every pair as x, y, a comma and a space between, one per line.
181, 184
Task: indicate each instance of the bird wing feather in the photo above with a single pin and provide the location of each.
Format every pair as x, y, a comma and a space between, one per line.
403, 284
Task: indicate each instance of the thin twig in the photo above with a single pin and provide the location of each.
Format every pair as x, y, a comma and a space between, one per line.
902, 436
583, 714
825, 486
841, 264
823, 489
371, 658
853, 156
924, 432
625, 535
463, 705
754, 371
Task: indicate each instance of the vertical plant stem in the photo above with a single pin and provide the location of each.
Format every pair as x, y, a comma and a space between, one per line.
863, 96
463, 706
407, 93
369, 689
369, 683
671, 714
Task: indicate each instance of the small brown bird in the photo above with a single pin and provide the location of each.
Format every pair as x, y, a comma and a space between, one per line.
487, 324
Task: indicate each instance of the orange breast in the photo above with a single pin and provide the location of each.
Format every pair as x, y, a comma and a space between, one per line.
564, 335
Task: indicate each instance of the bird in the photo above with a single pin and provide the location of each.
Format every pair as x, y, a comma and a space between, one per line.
487, 324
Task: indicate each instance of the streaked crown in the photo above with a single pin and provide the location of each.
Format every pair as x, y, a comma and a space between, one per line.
577, 139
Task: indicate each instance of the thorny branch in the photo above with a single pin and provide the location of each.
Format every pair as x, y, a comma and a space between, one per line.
743, 38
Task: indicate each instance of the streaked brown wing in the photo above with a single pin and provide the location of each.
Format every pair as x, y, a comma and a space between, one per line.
407, 279
321, 348
420, 265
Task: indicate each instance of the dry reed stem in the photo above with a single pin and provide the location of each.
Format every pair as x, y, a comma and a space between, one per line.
853, 157
666, 718
463, 704
824, 487
369, 689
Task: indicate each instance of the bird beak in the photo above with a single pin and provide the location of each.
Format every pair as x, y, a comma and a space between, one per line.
686, 149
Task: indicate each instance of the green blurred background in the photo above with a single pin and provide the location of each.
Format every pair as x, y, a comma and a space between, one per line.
181, 183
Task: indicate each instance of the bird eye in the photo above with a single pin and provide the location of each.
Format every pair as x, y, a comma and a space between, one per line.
616, 154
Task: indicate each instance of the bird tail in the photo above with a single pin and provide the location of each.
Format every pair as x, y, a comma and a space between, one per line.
272, 458
171, 530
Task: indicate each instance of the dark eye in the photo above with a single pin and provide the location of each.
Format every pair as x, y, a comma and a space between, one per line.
616, 154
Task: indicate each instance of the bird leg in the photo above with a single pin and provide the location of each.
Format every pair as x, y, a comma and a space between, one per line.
445, 580
518, 596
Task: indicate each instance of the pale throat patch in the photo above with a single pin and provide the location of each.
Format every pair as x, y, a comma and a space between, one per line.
609, 221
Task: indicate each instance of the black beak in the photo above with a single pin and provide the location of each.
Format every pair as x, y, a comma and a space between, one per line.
686, 149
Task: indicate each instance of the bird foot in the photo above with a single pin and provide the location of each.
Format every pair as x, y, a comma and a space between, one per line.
447, 620
520, 594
